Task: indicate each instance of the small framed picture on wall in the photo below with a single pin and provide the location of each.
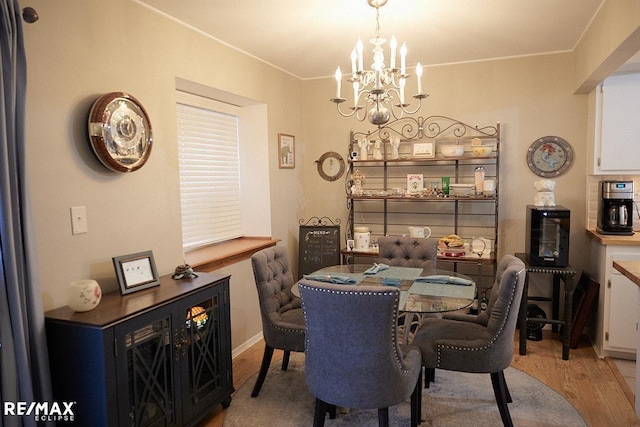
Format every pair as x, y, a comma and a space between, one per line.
286, 151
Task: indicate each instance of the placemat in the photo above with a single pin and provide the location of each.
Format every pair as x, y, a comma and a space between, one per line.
403, 273
442, 290
358, 276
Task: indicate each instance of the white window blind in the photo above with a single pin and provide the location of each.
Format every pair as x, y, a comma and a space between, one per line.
208, 145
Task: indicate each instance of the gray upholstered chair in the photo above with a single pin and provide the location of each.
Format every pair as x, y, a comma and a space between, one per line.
408, 251
282, 317
483, 317
413, 252
481, 346
352, 355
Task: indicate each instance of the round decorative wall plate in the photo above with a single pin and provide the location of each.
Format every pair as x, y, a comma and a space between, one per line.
331, 166
549, 156
120, 132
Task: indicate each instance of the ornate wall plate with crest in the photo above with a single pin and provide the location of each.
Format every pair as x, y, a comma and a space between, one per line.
549, 156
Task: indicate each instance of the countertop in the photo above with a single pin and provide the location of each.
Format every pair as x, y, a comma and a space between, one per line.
608, 239
629, 269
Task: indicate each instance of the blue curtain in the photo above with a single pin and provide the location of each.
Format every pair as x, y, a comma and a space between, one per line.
24, 370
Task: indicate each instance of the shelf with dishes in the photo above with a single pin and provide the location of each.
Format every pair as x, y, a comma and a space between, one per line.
425, 141
382, 195
476, 250
471, 258
438, 158
434, 171
417, 180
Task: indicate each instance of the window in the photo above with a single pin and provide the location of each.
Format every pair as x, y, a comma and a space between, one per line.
208, 155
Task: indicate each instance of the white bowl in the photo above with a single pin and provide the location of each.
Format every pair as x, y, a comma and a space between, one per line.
481, 150
452, 150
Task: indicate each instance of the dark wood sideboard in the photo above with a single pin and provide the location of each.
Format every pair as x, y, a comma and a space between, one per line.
160, 356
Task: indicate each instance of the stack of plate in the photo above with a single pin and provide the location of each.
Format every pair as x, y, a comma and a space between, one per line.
453, 252
462, 189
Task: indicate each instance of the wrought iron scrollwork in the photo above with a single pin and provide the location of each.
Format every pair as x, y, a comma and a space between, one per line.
415, 128
317, 221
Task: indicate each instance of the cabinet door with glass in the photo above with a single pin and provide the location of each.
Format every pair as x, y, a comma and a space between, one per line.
202, 348
145, 372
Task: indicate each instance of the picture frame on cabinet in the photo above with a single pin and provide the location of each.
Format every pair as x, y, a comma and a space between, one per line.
286, 151
423, 149
136, 272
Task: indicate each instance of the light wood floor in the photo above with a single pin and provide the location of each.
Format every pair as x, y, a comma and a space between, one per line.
594, 386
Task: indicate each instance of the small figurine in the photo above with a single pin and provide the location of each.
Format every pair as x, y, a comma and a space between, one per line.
364, 145
544, 195
357, 178
184, 272
394, 140
377, 150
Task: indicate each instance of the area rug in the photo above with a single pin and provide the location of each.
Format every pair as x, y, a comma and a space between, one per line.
455, 399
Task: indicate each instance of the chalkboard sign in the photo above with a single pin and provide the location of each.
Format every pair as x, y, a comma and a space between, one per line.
319, 247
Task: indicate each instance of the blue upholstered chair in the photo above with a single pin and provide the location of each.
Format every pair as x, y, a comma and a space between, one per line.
483, 344
352, 356
282, 317
408, 251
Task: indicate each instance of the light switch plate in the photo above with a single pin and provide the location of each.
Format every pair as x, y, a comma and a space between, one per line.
79, 220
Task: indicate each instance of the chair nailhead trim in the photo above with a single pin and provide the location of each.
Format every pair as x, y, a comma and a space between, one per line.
493, 340
297, 331
394, 335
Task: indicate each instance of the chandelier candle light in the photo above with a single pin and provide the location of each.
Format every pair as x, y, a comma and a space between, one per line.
380, 85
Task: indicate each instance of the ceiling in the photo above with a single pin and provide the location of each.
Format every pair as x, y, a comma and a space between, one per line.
310, 38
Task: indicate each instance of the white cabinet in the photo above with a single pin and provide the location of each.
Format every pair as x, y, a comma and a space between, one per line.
616, 326
616, 127
623, 327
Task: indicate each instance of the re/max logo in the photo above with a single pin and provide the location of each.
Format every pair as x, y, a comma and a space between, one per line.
42, 411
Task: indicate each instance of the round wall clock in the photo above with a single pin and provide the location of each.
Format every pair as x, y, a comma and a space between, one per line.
549, 156
120, 132
331, 166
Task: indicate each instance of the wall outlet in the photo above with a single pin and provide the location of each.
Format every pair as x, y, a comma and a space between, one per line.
79, 220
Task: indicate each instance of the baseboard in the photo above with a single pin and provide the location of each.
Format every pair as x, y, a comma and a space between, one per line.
245, 345
620, 378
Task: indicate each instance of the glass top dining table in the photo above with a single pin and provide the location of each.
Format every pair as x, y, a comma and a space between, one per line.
421, 291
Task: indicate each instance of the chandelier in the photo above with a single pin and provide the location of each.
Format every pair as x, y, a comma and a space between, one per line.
381, 86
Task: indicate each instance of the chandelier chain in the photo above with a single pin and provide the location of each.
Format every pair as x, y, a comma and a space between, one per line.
381, 86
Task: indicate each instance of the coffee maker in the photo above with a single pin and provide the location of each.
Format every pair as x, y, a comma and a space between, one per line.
615, 208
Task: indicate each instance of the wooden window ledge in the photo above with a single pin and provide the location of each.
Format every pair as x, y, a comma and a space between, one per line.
218, 255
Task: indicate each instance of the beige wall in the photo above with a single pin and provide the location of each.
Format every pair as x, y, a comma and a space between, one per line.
531, 97
79, 50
